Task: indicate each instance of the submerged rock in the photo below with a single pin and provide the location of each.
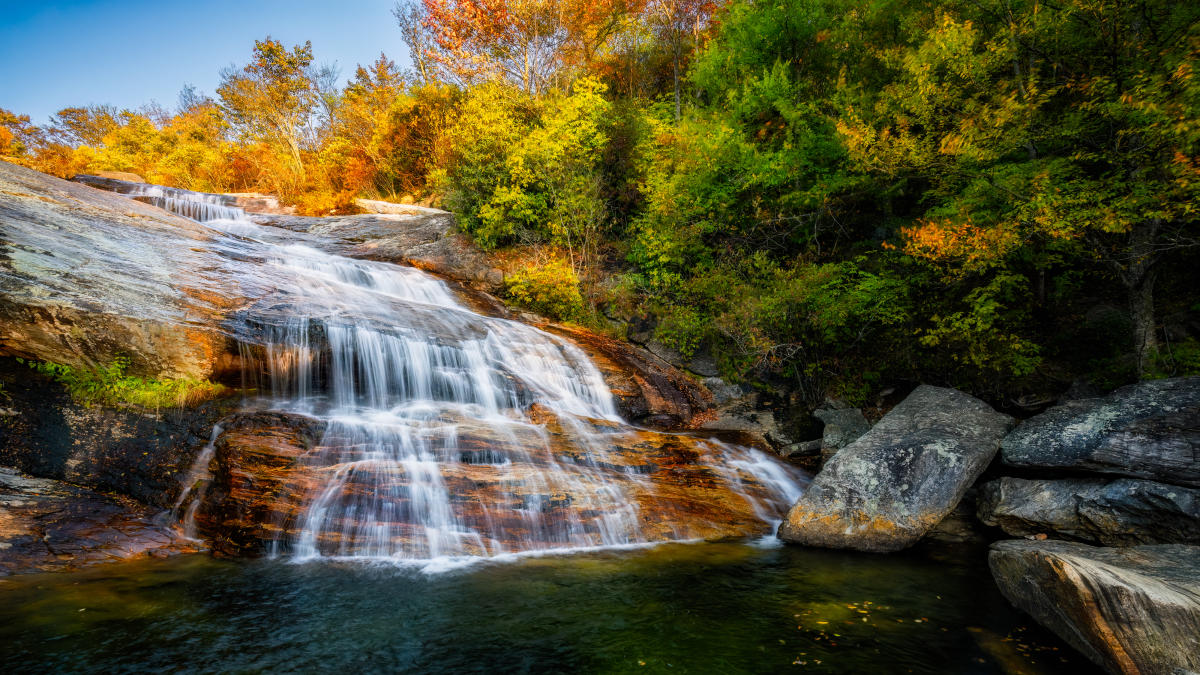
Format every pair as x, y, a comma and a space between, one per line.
1147, 430
1130, 610
885, 490
1122, 512
46, 525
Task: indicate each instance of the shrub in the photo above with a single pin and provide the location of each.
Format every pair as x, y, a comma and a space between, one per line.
109, 385
551, 289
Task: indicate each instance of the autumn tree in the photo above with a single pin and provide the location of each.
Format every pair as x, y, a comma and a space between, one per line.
678, 23
272, 101
84, 125
532, 43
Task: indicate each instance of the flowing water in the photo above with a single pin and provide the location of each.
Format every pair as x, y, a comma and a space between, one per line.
423, 399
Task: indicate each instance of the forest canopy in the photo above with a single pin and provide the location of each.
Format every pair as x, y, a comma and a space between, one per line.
825, 195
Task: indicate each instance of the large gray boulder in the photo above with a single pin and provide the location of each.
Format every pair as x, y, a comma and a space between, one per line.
1147, 430
1121, 512
885, 490
1130, 610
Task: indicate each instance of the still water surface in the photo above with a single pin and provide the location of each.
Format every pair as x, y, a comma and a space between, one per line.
698, 608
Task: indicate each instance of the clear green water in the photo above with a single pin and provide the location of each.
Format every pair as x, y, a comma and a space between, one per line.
700, 608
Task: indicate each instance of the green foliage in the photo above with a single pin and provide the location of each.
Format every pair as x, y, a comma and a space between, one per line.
551, 289
109, 385
1176, 360
527, 172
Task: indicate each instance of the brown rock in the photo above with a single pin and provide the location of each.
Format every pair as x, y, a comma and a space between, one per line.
46, 525
263, 483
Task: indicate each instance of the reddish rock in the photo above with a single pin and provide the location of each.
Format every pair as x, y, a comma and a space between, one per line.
267, 471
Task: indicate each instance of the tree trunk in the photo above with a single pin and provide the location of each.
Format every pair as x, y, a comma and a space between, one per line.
1139, 276
1141, 310
676, 50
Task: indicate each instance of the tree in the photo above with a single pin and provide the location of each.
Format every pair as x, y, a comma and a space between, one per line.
411, 18
532, 43
272, 100
674, 22
84, 126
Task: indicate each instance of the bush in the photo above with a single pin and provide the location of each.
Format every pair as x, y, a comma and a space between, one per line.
551, 289
109, 385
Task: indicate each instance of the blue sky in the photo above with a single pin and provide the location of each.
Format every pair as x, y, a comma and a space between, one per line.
59, 54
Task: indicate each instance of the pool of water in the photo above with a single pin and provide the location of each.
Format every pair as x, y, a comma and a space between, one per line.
700, 608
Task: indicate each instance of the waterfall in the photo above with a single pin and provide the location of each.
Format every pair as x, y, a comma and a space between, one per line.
447, 433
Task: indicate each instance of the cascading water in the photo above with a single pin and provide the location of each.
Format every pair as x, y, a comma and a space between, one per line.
446, 433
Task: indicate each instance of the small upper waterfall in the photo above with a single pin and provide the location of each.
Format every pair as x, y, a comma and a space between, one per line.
446, 433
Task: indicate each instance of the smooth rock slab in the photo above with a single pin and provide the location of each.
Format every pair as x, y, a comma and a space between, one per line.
86, 276
885, 490
1122, 512
1131, 610
1147, 430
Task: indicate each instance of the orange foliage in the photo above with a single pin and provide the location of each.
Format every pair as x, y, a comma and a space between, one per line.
962, 242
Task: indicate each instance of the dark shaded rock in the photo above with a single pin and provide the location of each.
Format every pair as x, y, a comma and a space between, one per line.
86, 276
843, 426
136, 452
258, 485
1130, 610
47, 525
1147, 430
885, 490
1122, 512
960, 526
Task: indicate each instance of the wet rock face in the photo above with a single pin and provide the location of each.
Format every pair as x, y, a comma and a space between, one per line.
266, 476
647, 389
46, 525
259, 480
1122, 512
86, 275
1147, 430
885, 490
419, 237
1130, 610
140, 453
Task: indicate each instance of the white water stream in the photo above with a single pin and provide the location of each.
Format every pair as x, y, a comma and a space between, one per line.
420, 396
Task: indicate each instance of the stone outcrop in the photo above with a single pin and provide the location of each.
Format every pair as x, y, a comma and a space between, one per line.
1121, 512
259, 481
262, 483
87, 275
1147, 430
885, 490
843, 426
1130, 610
46, 525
